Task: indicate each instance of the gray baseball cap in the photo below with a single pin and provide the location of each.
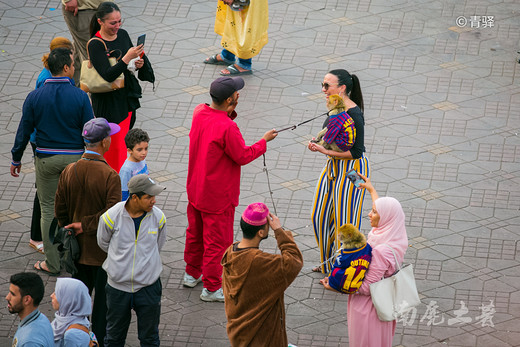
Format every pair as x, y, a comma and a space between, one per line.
143, 183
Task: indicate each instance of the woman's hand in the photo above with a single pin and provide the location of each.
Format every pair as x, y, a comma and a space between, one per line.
314, 147
368, 186
132, 53
139, 63
325, 283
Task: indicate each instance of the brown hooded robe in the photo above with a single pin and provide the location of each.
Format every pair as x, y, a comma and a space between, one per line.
254, 283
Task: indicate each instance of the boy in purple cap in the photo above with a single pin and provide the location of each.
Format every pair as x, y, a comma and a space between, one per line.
254, 282
217, 151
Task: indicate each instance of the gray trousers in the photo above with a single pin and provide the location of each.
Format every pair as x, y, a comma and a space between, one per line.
48, 172
79, 29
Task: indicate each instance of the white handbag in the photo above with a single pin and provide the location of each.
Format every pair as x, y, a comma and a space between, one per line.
394, 295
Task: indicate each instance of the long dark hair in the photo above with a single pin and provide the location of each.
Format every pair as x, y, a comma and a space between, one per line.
103, 10
353, 90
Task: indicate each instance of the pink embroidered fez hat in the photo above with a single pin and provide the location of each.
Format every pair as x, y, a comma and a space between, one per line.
256, 214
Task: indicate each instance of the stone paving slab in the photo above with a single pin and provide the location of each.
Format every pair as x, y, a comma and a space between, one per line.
442, 133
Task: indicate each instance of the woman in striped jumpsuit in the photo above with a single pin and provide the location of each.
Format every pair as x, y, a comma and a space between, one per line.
337, 201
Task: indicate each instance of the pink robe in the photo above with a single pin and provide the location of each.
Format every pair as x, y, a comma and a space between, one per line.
364, 327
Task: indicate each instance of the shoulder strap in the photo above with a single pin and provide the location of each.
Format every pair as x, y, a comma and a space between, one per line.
78, 326
97, 39
106, 49
398, 266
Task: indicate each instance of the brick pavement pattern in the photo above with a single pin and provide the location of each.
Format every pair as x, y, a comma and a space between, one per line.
442, 120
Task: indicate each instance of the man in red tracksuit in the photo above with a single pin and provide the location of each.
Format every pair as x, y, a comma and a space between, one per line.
217, 151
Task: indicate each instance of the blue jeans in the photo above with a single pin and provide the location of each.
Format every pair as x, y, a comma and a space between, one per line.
146, 303
243, 63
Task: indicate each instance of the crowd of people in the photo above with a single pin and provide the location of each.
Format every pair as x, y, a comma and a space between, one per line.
92, 180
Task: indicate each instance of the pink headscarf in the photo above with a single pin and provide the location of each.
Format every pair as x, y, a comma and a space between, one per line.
391, 229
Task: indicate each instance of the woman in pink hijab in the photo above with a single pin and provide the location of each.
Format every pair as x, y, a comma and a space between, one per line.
387, 221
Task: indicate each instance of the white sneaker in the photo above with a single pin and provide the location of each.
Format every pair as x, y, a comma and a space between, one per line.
190, 281
217, 295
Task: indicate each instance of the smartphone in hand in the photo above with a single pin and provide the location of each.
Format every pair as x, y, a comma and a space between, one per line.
141, 39
353, 176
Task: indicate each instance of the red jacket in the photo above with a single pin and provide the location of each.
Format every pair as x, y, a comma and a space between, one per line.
217, 150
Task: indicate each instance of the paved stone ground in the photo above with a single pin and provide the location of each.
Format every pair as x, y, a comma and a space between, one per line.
442, 122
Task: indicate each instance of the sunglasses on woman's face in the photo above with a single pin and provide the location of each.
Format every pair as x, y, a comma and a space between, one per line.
326, 86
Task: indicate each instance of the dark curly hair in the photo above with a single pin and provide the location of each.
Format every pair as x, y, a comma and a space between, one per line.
135, 136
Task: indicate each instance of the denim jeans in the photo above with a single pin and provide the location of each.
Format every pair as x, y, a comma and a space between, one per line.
243, 63
146, 303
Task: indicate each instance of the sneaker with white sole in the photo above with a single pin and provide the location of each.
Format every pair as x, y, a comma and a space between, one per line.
190, 281
217, 295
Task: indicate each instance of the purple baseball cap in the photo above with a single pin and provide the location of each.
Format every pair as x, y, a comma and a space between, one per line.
223, 87
97, 129
256, 214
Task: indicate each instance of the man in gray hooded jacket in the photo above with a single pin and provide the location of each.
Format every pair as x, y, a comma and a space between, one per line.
132, 233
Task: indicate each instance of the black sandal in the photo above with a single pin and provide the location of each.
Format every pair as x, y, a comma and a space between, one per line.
38, 267
234, 71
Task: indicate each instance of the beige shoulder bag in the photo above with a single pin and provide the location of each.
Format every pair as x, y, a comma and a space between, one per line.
92, 82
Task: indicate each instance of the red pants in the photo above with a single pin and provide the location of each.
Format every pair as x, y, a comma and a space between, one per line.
207, 237
117, 153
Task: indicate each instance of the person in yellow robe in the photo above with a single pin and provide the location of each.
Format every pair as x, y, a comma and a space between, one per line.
243, 28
